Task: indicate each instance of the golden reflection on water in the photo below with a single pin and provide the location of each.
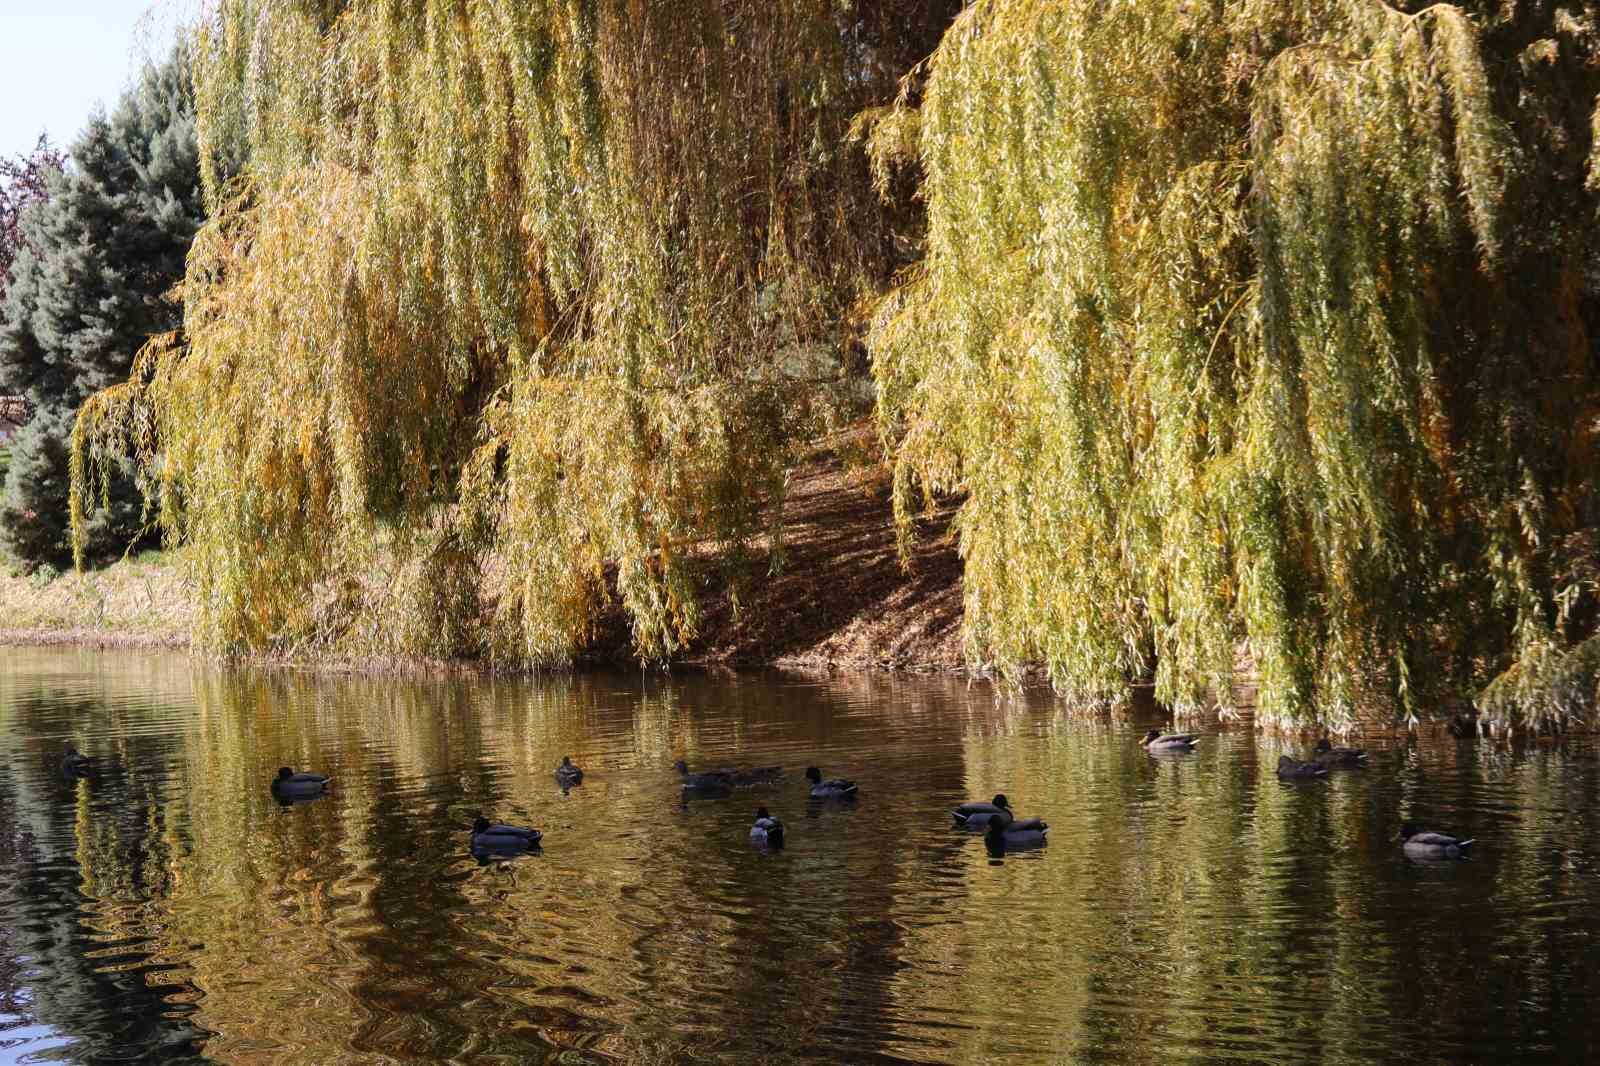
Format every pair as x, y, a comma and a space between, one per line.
1188, 908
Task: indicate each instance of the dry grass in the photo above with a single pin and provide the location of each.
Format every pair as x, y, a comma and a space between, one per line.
138, 601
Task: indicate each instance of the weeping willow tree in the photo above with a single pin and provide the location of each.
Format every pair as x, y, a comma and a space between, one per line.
1261, 325
516, 302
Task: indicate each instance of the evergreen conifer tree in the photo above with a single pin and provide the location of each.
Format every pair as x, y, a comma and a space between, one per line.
33, 526
93, 284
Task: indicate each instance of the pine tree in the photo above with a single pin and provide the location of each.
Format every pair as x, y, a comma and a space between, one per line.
32, 526
90, 286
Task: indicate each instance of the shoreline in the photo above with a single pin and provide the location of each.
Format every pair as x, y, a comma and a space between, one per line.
89, 637
1139, 698
335, 663
845, 602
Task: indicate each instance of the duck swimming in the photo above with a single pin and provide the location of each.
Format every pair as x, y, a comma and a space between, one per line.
1423, 844
723, 780
567, 774
707, 781
1293, 769
833, 788
1170, 743
757, 775
767, 830
976, 815
289, 783
492, 836
1002, 836
1339, 758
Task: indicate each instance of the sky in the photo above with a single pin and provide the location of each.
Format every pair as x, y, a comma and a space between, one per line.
59, 58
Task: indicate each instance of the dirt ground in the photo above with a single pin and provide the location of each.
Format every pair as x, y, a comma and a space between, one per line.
844, 597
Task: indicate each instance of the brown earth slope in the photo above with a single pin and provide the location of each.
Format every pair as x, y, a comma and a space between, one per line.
844, 596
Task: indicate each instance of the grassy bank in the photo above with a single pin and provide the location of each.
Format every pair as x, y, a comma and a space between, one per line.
140, 601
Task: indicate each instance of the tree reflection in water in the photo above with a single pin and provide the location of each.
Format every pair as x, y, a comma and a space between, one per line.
1191, 909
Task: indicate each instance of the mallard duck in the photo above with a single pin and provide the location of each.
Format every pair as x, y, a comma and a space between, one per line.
1154, 741
1292, 768
767, 830
492, 836
833, 788
289, 783
705, 781
1422, 844
567, 774
76, 764
1002, 835
1339, 758
976, 815
757, 775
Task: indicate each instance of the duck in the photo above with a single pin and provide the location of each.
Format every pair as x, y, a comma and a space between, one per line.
976, 815
758, 775
75, 764
567, 774
767, 830
704, 781
722, 780
1339, 758
833, 788
1294, 769
289, 783
1155, 741
1001, 836
492, 836
1425, 844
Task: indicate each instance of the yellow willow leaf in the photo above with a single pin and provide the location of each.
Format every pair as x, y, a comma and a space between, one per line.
581, 229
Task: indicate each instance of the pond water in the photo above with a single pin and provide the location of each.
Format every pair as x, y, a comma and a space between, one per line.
1186, 909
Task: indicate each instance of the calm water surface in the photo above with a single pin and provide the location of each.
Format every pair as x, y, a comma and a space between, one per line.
1187, 909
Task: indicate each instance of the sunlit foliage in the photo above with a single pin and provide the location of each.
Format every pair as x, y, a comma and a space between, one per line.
1259, 325
517, 301
1247, 328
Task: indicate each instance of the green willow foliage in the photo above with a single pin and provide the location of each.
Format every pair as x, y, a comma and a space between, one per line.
514, 299
1260, 324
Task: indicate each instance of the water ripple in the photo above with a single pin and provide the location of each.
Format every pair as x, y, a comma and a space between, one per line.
1189, 909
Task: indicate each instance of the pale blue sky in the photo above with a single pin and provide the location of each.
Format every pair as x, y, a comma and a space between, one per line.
58, 58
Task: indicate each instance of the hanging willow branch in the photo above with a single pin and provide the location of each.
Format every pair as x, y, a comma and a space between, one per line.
1223, 332
520, 301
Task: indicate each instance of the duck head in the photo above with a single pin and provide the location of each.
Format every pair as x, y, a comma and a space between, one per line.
761, 812
1408, 830
813, 775
1148, 737
1323, 745
1001, 802
284, 773
481, 825
682, 767
997, 828
566, 760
